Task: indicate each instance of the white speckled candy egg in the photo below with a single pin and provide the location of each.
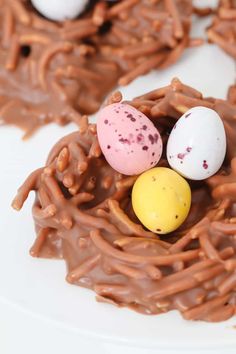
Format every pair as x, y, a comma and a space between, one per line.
129, 140
197, 144
60, 10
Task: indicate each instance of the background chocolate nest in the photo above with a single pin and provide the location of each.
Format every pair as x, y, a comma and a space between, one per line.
83, 214
223, 29
59, 71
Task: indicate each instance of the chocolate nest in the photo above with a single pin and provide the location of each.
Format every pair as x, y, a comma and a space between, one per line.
223, 29
83, 214
59, 71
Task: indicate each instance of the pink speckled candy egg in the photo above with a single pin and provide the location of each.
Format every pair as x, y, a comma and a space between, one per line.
129, 140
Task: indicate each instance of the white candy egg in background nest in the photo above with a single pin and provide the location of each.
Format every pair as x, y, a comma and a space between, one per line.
60, 10
197, 144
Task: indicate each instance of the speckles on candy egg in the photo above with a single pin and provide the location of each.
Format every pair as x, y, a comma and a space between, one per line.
135, 143
205, 165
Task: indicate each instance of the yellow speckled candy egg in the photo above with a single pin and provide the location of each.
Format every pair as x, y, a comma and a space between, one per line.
161, 199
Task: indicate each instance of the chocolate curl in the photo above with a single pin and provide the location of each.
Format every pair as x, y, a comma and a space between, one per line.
123, 36
226, 3
23, 192
76, 72
99, 13
65, 142
93, 222
107, 249
207, 247
66, 220
177, 85
181, 102
140, 244
43, 197
223, 186
168, 289
105, 300
153, 272
81, 31
182, 242
152, 95
45, 213
220, 41
20, 12
175, 54
209, 273
226, 252
83, 269
78, 153
34, 38
232, 94
230, 264
178, 30
205, 309
128, 271
226, 228
8, 26
107, 182
138, 50
116, 292
63, 159
13, 55
221, 314
39, 242
143, 68
54, 189
228, 284
83, 124
82, 198
227, 14
222, 30
124, 241
95, 150
126, 225
120, 7
68, 180
48, 54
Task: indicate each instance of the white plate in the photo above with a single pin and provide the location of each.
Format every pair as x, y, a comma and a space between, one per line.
36, 290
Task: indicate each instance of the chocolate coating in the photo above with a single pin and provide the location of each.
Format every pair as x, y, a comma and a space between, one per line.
56, 72
83, 214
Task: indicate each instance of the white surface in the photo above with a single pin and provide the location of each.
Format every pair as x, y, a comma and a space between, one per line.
39, 311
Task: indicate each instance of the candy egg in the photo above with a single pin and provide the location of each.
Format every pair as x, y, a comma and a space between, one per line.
60, 10
129, 140
197, 144
161, 199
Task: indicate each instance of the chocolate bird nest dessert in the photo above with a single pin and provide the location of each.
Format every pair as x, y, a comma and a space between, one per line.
83, 214
223, 29
223, 33
58, 71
